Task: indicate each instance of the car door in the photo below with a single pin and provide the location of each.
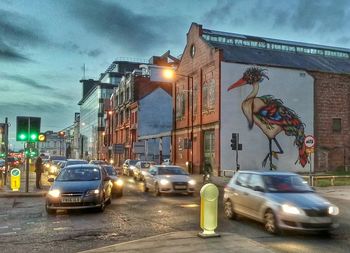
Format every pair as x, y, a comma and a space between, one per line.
107, 185
150, 177
240, 194
256, 195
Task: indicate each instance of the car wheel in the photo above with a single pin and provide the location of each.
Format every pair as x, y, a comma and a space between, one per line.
145, 188
156, 190
228, 209
270, 222
50, 211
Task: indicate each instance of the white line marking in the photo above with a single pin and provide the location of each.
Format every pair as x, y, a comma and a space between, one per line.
3, 227
61, 228
9, 233
16, 229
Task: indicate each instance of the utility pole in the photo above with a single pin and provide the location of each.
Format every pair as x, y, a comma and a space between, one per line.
27, 158
6, 140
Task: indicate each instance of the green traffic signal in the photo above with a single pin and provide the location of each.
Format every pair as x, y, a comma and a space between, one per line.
22, 137
33, 137
28, 129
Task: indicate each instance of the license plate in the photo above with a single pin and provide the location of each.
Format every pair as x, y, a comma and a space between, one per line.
180, 187
70, 199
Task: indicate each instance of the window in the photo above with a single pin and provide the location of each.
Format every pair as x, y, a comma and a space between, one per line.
336, 125
242, 179
256, 181
180, 104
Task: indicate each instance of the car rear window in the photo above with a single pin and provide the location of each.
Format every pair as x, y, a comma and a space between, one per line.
79, 174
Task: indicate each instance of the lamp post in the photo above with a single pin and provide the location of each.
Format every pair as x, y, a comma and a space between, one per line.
170, 74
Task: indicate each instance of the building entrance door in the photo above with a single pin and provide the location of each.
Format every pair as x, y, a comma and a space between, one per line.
209, 149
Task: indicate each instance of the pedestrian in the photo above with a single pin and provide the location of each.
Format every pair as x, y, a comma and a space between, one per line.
38, 171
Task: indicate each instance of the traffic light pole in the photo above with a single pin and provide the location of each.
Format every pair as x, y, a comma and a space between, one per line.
6, 137
237, 143
27, 159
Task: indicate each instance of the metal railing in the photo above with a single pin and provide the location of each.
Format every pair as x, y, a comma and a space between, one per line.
315, 178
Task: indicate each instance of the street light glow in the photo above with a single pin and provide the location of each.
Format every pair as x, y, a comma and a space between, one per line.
168, 73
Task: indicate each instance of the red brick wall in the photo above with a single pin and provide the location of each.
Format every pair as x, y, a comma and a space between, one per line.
331, 101
205, 65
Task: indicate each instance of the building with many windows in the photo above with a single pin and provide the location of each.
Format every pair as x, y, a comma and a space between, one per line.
272, 93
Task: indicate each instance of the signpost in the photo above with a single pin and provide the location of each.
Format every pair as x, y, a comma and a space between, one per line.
309, 142
15, 179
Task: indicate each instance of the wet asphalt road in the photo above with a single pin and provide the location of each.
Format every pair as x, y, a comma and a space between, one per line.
25, 226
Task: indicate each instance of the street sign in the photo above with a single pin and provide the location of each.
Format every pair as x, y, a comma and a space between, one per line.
309, 141
15, 179
139, 147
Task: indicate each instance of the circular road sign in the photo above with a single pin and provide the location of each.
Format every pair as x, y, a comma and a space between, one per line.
309, 141
15, 172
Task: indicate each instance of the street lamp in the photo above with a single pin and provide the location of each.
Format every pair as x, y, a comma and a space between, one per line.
170, 74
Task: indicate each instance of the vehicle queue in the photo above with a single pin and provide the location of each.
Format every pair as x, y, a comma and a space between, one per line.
279, 200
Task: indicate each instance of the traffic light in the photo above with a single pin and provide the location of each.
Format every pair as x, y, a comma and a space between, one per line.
42, 137
22, 128
28, 129
34, 128
234, 141
61, 134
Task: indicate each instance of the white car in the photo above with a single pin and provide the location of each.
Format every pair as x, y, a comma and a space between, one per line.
168, 179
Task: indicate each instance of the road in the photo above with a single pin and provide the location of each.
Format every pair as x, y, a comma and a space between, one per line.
25, 226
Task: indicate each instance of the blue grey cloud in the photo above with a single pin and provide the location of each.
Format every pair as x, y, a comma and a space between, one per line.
25, 80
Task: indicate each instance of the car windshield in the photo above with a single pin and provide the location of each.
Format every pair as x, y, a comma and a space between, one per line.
286, 183
171, 171
76, 162
110, 170
133, 162
79, 174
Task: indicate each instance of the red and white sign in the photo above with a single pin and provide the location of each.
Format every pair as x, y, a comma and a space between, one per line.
309, 141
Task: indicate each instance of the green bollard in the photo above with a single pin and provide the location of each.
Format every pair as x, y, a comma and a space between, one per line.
209, 211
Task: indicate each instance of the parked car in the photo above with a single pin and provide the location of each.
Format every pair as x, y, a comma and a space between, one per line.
13, 162
129, 167
280, 200
118, 183
78, 187
168, 179
166, 162
141, 168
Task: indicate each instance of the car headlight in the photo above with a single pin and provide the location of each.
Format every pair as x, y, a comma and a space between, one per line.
53, 168
119, 182
143, 172
333, 210
93, 192
290, 209
54, 193
191, 182
164, 182
132, 167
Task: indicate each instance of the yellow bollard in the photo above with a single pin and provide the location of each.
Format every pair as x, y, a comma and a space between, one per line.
209, 211
15, 179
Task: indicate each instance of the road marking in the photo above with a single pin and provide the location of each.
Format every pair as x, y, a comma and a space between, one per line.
3, 227
9, 233
61, 228
16, 229
30, 222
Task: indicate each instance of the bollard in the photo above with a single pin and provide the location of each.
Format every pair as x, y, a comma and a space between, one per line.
209, 211
15, 179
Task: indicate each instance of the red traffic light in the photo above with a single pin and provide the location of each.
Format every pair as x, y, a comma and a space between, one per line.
61, 134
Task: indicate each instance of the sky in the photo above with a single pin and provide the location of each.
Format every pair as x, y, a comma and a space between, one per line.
45, 43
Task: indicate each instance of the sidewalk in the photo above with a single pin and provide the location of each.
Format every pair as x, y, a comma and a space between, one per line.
6, 191
186, 241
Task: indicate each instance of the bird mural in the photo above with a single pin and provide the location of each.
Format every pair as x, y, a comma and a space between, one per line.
271, 116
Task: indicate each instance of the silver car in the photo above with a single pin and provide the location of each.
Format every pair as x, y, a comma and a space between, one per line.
280, 200
168, 179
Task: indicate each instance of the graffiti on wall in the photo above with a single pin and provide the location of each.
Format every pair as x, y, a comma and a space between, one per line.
271, 116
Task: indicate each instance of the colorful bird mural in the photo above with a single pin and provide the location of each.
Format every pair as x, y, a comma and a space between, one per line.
271, 116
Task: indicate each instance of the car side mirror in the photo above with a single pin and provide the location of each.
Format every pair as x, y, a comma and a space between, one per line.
259, 189
107, 178
51, 180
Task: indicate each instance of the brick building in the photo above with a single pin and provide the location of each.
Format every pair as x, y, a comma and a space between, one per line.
302, 89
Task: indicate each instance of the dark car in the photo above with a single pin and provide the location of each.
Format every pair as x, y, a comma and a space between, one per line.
79, 187
118, 183
129, 167
279, 200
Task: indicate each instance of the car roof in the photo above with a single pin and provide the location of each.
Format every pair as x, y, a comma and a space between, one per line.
267, 172
77, 166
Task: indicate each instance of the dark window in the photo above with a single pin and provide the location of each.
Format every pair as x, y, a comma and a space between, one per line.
336, 125
242, 179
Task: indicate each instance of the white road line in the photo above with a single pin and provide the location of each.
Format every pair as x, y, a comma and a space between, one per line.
9, 233
62, 228
3, 227
30, 222
16, 229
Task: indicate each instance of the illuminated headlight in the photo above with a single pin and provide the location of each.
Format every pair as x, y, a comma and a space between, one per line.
164, 182
333, 210
53, 168
143, 172
47, 165
290, 209
132, 167
191, 182
54, 193
119, 182
93, 192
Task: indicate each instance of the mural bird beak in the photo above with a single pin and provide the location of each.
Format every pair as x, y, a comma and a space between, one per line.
240, 82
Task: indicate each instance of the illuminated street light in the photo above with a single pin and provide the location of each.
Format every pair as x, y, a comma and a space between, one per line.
168, 73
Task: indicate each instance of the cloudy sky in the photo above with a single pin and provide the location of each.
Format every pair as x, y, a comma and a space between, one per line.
45, 43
